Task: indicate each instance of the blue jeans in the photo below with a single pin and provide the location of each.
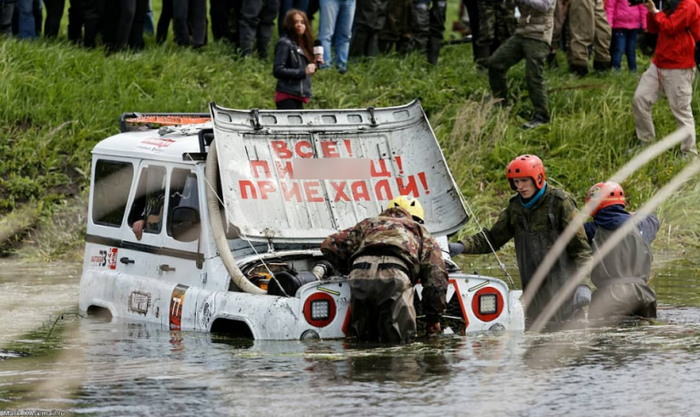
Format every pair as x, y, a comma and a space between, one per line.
336, 25
27, 27
624, 41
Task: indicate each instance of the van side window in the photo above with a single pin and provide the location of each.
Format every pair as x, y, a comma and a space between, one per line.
111, 192
146, 213
183, 191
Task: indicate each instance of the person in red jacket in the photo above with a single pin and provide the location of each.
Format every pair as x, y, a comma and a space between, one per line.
672, 68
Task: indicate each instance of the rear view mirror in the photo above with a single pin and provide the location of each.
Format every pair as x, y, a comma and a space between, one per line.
184, 224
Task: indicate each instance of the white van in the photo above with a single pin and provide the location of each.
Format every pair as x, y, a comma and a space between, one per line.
216, 226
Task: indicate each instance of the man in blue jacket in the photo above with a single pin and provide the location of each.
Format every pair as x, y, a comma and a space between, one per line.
621, 277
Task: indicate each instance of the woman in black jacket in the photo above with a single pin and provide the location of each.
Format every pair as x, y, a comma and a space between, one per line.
294, 62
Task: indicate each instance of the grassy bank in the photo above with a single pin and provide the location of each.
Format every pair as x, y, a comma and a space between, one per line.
58, 101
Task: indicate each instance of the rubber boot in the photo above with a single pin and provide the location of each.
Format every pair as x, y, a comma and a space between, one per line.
552, 60
358, 44
602, 66
579, 70
482, 54
434, 45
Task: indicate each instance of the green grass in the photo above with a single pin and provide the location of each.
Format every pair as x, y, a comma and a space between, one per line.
57, 101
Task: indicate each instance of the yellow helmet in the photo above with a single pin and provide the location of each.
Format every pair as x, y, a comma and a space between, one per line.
410, 204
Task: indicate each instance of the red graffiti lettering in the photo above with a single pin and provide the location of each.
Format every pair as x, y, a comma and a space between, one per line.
266, 187
383, 185
411, 188
284, 171
294, 192
312, 190
400, 164
255, 167
330, 149
382, 172
359, 191
421, 177
348, 147
340, 191
247, 188
280, 148
304, 144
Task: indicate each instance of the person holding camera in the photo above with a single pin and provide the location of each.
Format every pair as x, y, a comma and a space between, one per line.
294, 62
672, 69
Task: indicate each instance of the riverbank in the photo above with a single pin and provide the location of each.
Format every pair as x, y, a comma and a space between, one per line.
58, 101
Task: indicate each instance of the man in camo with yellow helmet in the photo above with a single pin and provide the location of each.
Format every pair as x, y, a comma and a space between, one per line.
385, 256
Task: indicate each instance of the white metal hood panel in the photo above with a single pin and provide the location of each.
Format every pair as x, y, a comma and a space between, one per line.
385, 152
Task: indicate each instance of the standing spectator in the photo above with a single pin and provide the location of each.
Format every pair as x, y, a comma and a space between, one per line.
336, 25
531, 42
124, 26
25, 19
257, 22
497, 23
369, 19
397, 27
190, 22
625, 20
54, 14
7, 9
429, 27
166, 15
88, 13
287, 5
294, 62
672, 69
561, 11
472, 8
588, 25
225, 15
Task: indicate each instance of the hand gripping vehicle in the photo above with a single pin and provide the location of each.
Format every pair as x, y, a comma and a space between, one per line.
213, 222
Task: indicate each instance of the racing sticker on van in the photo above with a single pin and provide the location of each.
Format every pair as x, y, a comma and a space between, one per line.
296, 175
177, 301
139, 302
155, 144
105, 258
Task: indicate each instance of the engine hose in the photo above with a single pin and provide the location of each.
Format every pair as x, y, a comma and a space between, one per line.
217, 228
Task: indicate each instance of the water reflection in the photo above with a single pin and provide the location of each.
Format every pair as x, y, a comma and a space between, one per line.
117, 368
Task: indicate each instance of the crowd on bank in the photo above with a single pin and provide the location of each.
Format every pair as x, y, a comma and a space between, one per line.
504, 32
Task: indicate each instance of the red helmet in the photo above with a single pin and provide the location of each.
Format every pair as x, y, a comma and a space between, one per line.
612, 194
526, 166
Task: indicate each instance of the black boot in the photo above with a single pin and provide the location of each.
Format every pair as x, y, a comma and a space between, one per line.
434, 45
602, 65
579, 70
482, 54
552, 60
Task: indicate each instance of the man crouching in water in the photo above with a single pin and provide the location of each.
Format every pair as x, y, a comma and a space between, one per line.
622, 276
385, 256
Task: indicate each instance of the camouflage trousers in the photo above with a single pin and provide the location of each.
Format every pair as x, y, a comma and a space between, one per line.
496, 23
515, 49
381, 300
397, 27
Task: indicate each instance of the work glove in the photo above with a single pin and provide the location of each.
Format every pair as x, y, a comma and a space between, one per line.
456, 248
582, 297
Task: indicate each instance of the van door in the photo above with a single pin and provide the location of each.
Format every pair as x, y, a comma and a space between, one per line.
183, 258
142, 238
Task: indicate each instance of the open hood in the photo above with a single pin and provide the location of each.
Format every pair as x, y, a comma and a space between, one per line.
294, 176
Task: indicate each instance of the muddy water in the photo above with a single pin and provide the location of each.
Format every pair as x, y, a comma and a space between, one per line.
121, 369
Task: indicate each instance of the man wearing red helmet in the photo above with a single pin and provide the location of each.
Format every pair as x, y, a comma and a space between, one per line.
621, 277
535, 217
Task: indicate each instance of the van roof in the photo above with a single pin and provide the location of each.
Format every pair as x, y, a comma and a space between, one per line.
149, 144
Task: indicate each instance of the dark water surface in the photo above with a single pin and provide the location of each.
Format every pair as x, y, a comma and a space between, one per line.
122, 369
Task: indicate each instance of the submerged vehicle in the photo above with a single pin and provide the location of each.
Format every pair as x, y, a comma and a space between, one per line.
213, 222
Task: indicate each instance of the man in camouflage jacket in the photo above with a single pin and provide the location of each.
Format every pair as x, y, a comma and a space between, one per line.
385, 256
535, 217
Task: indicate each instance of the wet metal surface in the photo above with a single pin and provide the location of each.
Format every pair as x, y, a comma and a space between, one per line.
127, 369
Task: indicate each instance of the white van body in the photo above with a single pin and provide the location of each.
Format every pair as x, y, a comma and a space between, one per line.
287, 180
